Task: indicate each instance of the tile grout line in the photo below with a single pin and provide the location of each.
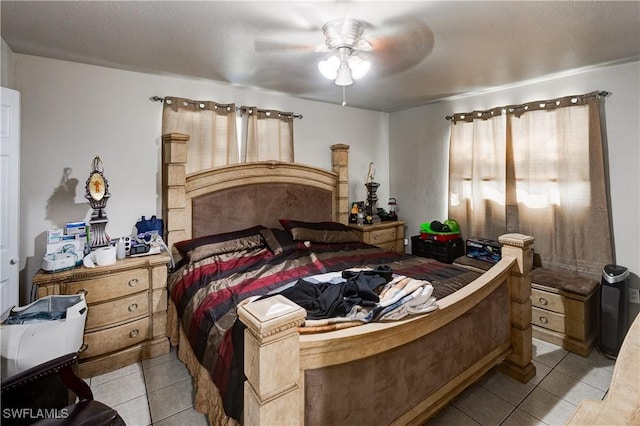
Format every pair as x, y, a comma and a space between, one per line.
527, 394
146, 395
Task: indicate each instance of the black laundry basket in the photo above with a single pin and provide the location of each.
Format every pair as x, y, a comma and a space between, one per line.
613, 308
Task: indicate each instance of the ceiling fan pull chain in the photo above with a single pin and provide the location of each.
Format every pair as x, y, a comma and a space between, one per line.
344, 99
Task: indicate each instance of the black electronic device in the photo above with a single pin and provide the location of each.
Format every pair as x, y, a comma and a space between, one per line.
139, 248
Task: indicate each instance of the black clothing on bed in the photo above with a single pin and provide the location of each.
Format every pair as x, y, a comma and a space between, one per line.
326, 300
318, 299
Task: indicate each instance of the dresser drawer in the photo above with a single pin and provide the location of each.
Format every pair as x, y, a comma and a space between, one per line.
548, 301
115, 338
390, 246
547, 319
380, 236
111, 286
119, 310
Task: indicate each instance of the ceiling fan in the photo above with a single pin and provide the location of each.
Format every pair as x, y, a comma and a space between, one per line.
344, 39
343, 50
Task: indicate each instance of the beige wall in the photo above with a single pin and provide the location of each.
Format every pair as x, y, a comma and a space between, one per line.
7, 65
72, 112
419, 140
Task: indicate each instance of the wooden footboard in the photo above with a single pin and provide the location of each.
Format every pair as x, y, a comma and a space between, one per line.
279, 362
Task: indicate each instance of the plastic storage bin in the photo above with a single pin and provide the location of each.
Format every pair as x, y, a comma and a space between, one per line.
41, 331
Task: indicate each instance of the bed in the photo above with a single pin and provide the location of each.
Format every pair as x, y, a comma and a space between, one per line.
363, 369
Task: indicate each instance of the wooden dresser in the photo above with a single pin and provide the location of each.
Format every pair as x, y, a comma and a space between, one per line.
387, 235
127, 310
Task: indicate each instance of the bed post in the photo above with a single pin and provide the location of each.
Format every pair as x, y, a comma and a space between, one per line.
518, 363
174, 160
273, 394
340, 162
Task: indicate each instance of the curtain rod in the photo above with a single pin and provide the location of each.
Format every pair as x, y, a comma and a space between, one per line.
241, 109
602, 94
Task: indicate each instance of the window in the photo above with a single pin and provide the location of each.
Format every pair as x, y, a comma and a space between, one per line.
537, 169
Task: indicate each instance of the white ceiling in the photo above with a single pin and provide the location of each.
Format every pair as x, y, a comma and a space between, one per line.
423, 51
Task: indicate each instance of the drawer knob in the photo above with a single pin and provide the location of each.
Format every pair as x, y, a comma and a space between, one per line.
82, 291
376, 237
544, 320
133, 282
133, 307
134, 332
543, 301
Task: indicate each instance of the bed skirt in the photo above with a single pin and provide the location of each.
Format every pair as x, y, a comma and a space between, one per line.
207, 399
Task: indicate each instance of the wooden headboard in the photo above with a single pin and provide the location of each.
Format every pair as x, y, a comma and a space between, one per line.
241, 195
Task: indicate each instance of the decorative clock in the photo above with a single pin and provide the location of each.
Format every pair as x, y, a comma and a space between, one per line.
97, 192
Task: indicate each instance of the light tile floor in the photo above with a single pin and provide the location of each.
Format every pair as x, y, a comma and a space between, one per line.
562, 380
159, 392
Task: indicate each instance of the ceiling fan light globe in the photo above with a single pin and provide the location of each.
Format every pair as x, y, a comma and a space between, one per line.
329, 67
359, 67
344, 76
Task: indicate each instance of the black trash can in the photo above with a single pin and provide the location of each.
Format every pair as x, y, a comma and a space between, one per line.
613, 308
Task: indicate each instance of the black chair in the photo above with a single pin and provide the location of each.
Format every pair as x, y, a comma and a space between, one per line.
46, 395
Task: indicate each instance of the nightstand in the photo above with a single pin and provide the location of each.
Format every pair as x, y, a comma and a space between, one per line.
565, 309
127, 310
387, 235
564, 306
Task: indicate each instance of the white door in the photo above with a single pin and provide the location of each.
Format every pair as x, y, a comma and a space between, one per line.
9, 198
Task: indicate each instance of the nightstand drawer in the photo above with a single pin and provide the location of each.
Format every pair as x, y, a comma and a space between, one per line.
115, 338
549, 301
116, 311
380, 236
547, 319
112, 286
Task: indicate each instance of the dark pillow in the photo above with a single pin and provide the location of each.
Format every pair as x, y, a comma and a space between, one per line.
278, 240
320, 232
227, 242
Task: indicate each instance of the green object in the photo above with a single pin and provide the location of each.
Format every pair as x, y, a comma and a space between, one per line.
453, 225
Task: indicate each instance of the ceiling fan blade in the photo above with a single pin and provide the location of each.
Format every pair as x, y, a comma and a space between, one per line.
277, 46
363, 45
396, 50
303, 76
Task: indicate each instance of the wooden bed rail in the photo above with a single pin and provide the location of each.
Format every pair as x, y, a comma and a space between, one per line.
274, 390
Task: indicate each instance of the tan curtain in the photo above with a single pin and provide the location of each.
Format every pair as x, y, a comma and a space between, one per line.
555, 179
477, 176
268, 135
560, 185
212, 129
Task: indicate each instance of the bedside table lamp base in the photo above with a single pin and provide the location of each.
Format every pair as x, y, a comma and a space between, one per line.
372, 200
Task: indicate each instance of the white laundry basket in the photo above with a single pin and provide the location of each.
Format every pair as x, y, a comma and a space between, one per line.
50, 327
